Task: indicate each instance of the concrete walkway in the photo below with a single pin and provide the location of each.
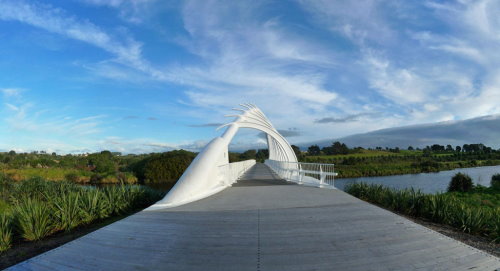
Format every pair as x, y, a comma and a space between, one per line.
262, 223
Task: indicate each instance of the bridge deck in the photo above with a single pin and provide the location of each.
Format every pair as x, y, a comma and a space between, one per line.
262, 223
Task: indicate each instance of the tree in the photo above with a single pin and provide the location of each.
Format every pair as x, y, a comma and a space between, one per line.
437, 148
164, 167
102, 162
458, 149
339, 148
297, 151
328, 150
249, 154
495, 181
313, 150
449, 147
410, 148
461, 183
262, 155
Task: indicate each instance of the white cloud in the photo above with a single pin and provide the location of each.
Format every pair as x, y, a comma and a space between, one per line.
12, 107
357, 20
11, 92
125, 49
129, 10
401, 85
246, 59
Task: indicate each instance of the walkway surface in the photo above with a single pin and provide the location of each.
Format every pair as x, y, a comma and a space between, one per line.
262, 223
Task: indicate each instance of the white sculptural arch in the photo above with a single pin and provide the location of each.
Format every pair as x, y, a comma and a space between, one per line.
202, 178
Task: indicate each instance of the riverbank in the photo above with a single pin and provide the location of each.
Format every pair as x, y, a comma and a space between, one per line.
474, 213
373, 163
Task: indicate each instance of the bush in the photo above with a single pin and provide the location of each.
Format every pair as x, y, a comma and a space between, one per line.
96, 179
460, 183
449, 208
67, 211
495, 181
34, 219
37, 208
72, 177
5, 232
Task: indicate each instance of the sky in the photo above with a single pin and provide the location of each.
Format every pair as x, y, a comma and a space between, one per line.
148, 75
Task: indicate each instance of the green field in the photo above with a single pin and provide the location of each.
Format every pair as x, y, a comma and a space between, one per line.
367, 153
368, 163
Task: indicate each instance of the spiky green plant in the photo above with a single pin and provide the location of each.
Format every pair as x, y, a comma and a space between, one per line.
447, 208
93, 205
67, 211
33, 219
5, 232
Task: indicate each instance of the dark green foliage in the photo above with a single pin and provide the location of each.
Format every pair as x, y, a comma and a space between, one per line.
102, 162
495, 181
94, 205
72, 177
313, 150
96, 178
297, 151
5, 231
40, 208
165, 167
67, 211
460, 183
261, 155
450, 208
34, 219
247, 155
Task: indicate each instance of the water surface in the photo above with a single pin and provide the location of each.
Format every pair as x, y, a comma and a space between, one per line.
427, 182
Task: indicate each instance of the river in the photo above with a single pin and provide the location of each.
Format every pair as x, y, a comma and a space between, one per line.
426, 182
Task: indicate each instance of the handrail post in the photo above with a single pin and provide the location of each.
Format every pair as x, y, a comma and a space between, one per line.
300, 173
321, 176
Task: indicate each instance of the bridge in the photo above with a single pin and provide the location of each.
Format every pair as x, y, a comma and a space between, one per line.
281, 215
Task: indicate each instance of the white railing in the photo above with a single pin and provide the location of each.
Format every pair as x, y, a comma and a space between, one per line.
229, 173
322, 175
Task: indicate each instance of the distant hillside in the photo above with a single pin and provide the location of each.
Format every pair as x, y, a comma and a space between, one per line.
484, 130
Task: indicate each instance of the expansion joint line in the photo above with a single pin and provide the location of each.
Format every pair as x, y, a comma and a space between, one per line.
258, 239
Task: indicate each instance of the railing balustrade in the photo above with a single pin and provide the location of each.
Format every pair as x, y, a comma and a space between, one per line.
229, 173
322, 175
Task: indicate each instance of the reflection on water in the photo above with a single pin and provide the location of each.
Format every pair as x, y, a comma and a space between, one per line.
426, 182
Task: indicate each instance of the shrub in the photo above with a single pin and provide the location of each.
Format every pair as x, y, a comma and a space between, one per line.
461, 183
37, 208
95, 179
34, 220
67, 211
93, 205
449, 208
72, 177
495, 181
5, 232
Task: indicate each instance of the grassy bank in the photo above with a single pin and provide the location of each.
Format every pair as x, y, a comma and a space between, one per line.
475, 212
36, 208
381, 163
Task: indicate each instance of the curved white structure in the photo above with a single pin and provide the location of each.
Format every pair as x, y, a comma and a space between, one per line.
207, 174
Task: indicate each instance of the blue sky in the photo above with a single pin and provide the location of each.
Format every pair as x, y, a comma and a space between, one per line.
147, 75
